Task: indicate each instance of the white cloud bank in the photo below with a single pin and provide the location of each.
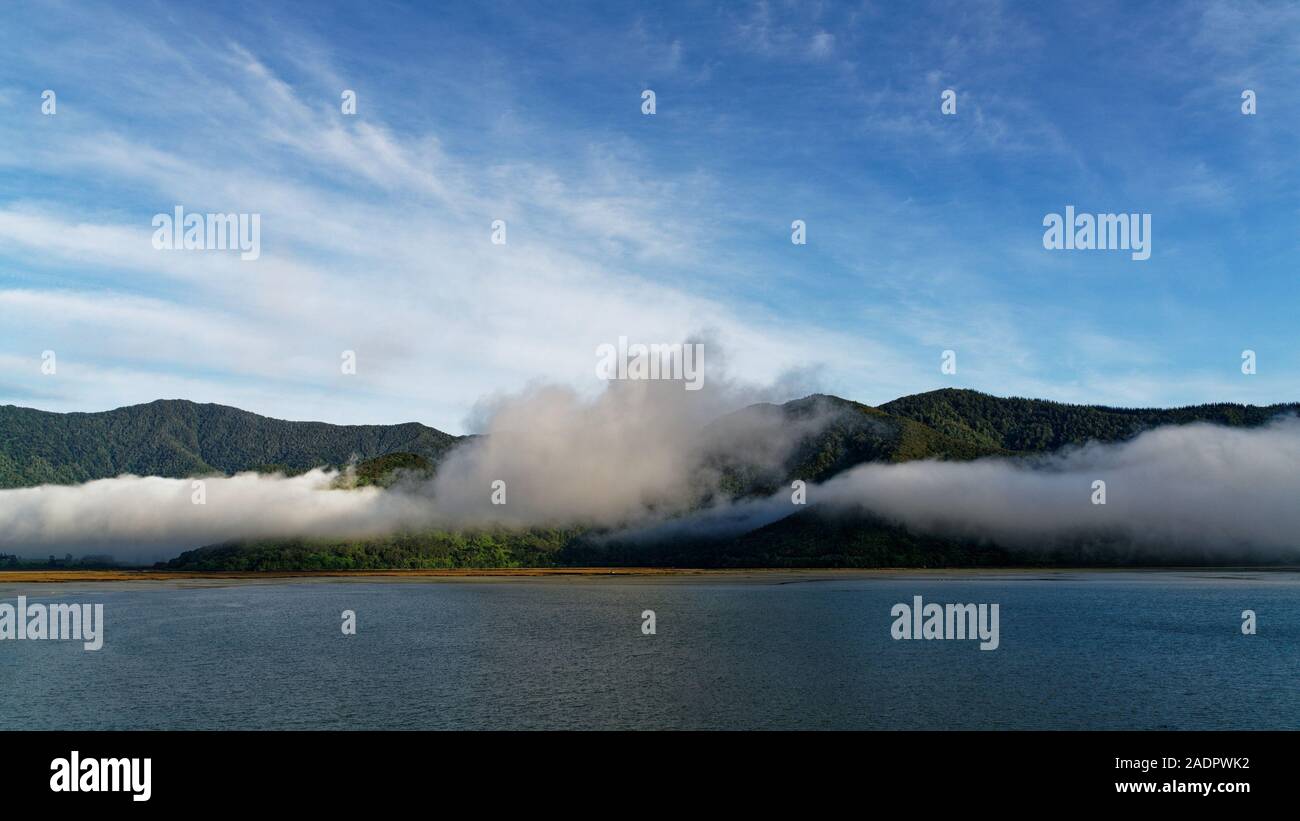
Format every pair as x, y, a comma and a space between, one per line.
640, 452
1187, 490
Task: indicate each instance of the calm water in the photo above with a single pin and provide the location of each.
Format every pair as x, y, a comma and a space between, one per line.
1085, 650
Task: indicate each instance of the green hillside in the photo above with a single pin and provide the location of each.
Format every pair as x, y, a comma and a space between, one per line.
1037, 425
530, 548
384, 471
177, 438
751, 453
841, 434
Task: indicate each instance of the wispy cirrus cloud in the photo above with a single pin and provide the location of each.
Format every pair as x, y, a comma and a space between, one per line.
924, 232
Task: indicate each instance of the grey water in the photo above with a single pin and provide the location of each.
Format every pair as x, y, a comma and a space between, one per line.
1101, 650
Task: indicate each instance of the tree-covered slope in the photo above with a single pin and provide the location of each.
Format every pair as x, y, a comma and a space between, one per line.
177, 438
1038, 425
434, 549
753, 452
811, 538
823, 436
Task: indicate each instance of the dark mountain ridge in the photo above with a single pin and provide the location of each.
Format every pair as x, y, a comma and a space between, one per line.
1022, 425
815, 438
177, 438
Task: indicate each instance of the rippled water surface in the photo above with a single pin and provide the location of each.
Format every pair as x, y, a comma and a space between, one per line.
789, 651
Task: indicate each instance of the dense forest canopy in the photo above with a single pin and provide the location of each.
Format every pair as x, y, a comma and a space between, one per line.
176, 438
179, 439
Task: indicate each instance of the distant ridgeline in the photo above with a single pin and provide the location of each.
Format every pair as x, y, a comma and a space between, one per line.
181, 439
178, 439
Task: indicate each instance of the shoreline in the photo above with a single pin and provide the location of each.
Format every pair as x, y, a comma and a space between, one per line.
434, 574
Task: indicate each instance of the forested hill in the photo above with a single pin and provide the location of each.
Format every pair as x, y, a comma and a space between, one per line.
177, 438
1038, 425
829, 435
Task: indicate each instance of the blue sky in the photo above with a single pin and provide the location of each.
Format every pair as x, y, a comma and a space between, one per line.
924, 230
